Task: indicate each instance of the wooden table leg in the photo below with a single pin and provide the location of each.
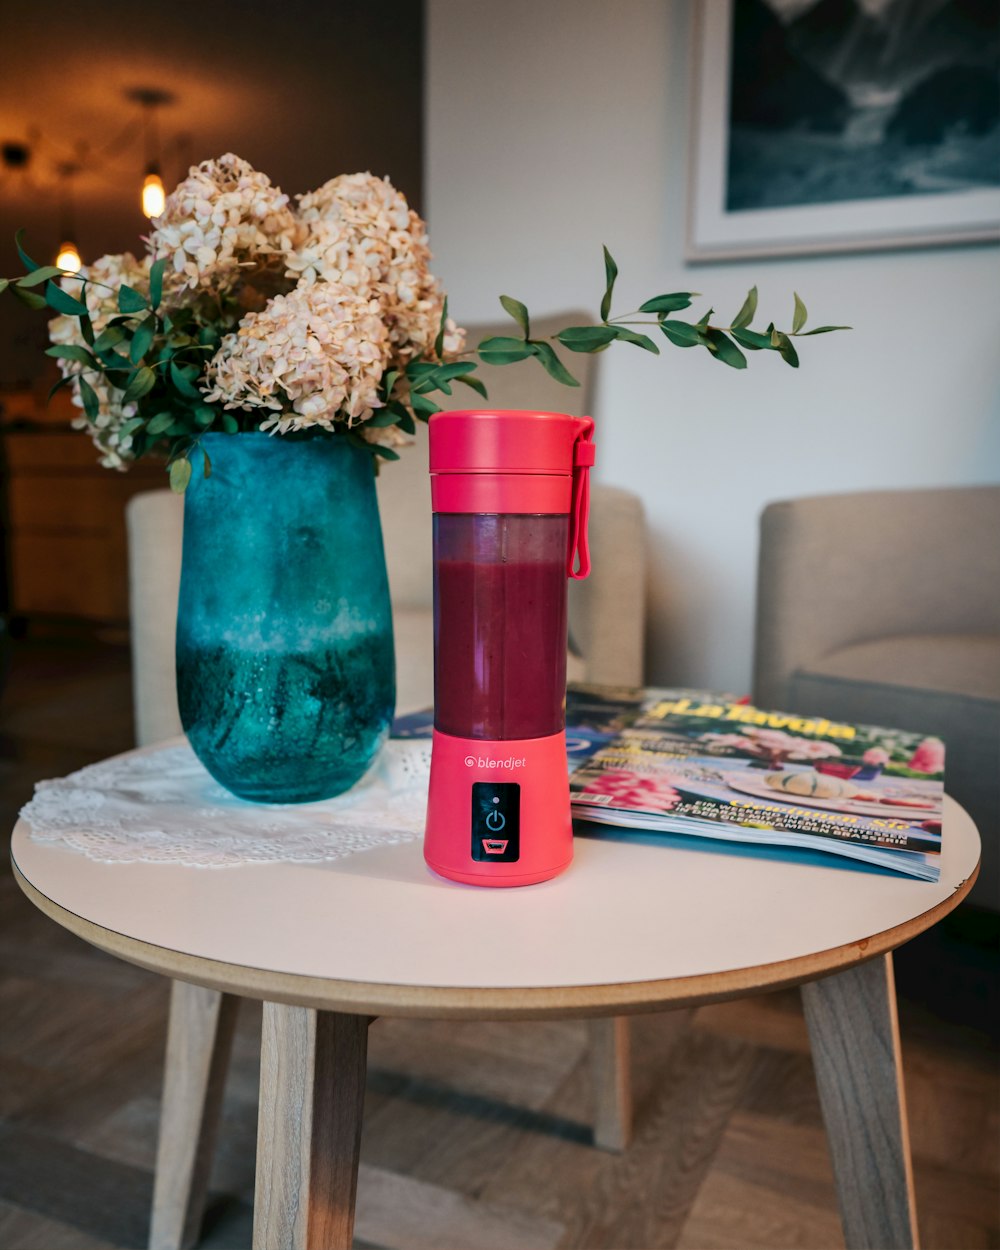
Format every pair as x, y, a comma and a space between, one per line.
312, 1091
199, 1041
855, 1045
610, 1071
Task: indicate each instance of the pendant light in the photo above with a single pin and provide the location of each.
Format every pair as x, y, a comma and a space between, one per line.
153, 197
68, 257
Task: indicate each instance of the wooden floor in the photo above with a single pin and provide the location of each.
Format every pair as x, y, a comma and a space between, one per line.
475, 1135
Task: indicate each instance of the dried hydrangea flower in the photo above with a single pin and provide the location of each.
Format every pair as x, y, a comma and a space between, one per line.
106, 276
314, 357
225, 216
359, 230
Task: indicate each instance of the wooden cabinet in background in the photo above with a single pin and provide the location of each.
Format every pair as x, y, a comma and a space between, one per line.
65, 518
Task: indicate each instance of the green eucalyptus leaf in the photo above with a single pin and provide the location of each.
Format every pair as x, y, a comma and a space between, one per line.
776, 337
131, 425
64, 381
824, 330
387, 416
4, 284
724, 349
160, 423
610, 274
518, 311
142, 382
477, 385
703, 321
787, 350
386, 453
42, 274
143, 337
130, 301
73, 352
553, 366
753, 340
500, 350
389, 380
439, 340
112, 362
156, 281
204, 415
181, 376
423, 406
206, 463
587, 338
432, 383
26, 260
746, 313
230, 424
682, 333
180, 475
62, 302
800, 315
31, 298
108, 337
442, 374
457, 368
625, 335
675, 301
91, 404
87, 330
407, 424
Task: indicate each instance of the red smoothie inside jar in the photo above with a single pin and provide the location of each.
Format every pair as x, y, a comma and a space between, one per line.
500, 625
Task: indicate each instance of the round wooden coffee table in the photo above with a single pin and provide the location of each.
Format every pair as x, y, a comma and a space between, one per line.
637, 924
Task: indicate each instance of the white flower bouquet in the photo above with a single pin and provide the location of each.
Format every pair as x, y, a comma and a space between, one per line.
319, 317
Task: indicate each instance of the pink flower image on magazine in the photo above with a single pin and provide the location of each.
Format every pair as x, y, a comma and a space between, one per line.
635, 790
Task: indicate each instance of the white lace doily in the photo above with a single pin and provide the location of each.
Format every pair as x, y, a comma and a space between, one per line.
162, 807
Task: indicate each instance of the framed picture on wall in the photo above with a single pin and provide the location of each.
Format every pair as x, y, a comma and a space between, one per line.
837, 125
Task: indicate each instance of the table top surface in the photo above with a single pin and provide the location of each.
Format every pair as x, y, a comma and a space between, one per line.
637, 922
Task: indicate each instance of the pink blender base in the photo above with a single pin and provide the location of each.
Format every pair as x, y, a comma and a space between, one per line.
498, 811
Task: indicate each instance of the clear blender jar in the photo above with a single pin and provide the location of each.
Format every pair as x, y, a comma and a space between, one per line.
510, 494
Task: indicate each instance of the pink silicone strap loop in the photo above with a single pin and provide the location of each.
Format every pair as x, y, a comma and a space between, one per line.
579, 546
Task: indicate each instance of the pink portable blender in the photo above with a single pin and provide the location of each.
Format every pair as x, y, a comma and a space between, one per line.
510, 493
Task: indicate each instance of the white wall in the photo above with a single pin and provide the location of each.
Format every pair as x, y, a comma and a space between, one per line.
554, 126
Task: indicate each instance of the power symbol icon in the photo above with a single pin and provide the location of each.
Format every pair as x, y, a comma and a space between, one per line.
495, 821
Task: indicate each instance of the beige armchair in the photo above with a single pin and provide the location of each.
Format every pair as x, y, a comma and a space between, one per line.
606, 621
884, 608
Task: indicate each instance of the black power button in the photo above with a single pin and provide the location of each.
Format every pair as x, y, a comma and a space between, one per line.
496, 821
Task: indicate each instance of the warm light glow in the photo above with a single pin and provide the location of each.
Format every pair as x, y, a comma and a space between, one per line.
153, 196
69, 257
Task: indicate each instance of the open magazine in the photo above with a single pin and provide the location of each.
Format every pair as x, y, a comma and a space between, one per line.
684, 761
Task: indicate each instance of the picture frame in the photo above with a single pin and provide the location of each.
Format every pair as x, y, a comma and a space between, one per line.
766, 180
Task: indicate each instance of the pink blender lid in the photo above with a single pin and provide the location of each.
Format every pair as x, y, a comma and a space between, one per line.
515, 441
514, 461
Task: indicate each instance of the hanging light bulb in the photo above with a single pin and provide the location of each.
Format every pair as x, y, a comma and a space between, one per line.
154, 197
69, 257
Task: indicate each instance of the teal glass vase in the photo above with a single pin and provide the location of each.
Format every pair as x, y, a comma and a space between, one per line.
285, 667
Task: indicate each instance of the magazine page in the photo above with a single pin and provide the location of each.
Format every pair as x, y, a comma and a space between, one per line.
703, 764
